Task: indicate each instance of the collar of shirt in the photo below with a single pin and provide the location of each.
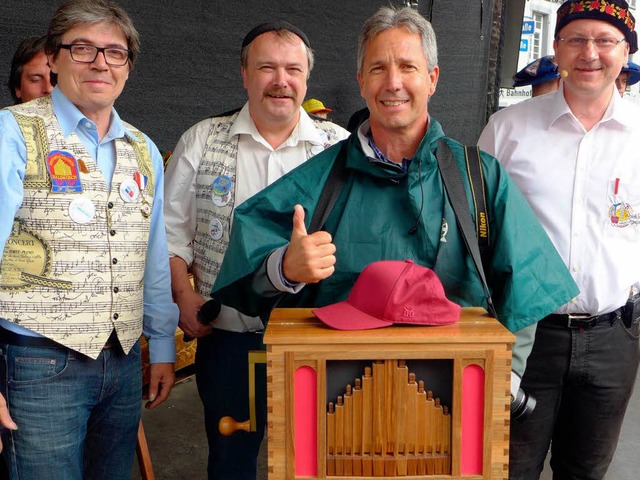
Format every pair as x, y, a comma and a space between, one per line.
617, 110
70, 119
373, 153
305, 130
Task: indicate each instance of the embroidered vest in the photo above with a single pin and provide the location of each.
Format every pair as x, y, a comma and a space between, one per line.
214, 218
73, 266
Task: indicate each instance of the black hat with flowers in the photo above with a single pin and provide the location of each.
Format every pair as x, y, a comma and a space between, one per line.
615, 12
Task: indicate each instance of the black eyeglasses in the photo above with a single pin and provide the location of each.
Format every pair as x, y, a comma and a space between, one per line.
115, 57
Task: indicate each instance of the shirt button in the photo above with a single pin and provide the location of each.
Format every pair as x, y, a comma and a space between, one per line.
115, 316
112, 232
114, 261
116, 289
576, 269
110, 204
88, 125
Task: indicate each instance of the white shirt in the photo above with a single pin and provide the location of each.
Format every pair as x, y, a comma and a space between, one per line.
569, 177
258, 166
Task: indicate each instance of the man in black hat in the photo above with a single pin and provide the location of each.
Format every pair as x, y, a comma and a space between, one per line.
218, 164
575, 154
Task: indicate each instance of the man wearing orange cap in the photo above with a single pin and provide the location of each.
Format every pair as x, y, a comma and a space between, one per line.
575, 154
316, 107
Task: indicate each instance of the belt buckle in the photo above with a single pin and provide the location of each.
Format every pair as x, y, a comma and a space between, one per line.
580, 320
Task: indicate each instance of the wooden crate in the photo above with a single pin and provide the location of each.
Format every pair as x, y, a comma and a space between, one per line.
299, 348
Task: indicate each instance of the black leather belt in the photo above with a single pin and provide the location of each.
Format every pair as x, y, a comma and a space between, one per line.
13, 338
583, 321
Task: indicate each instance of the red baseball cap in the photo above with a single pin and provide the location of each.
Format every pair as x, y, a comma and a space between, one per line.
391, 292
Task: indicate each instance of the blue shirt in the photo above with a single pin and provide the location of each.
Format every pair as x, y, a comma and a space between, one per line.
160, 313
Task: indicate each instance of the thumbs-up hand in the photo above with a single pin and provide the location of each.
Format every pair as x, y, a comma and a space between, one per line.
309, 258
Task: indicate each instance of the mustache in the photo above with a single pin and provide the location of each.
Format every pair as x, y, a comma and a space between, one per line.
279, 92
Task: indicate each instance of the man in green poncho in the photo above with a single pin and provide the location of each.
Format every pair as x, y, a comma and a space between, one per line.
392, 207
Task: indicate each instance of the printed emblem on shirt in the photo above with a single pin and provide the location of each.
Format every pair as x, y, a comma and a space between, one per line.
63, 170
620, 213
444, 230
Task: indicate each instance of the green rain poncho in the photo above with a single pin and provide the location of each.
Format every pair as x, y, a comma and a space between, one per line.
371, 220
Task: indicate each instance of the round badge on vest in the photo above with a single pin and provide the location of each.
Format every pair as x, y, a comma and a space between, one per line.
216, 229
82, 210
129, 190
221, 186
145, 209
221, 201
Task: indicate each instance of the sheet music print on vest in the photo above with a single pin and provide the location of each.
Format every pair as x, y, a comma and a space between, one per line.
219, 160
106, 248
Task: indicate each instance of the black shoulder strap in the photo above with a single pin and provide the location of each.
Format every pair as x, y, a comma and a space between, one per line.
330, 192
457, 196
478, 196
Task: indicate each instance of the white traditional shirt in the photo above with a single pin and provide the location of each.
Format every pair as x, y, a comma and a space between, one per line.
583, 186
258, 166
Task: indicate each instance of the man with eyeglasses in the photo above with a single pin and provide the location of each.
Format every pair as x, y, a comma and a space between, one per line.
575, 154
84, 261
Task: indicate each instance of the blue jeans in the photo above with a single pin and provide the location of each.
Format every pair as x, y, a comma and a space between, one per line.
222, 376
77, 417
582, 381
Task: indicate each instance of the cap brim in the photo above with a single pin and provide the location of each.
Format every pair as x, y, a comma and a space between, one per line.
343, 316
634, 77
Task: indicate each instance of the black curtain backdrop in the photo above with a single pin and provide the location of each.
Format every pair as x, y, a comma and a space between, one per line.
189, 67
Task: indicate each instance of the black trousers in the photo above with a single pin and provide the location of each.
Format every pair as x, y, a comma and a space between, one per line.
582, 380
222, 377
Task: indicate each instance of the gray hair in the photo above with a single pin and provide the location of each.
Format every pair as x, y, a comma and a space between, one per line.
285, 34
73, 13
394, 17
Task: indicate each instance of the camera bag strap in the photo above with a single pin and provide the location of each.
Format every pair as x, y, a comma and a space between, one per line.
452, 179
